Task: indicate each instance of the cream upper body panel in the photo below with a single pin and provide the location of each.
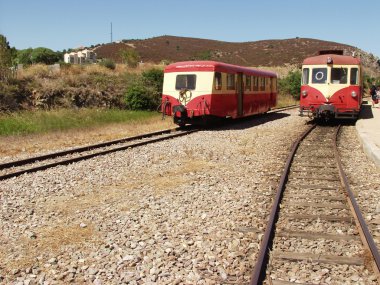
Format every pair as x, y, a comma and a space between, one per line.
325, 79
203, 83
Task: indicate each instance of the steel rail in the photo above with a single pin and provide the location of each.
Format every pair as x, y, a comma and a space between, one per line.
367, 240
283, 109
80, 149
84, 157
261, 264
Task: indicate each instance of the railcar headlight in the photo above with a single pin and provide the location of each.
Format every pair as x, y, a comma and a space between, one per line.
353, 94
304, 93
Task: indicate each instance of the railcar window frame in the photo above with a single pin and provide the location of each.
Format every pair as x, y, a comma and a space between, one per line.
356, 76
218, 81
319, 75
339, 75
261, 83
305, 76
255, 85
231, 85
187, 76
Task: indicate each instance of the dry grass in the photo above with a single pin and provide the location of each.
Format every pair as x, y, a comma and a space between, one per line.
284, 100
36, 71
50, 241
16, 145
43, 71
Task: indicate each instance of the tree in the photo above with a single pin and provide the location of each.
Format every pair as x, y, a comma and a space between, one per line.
5, 58
38, 55
24, 56
44, 55
130, 57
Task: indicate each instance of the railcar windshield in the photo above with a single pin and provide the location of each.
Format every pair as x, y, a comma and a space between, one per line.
319, 75
339, 75
186, 81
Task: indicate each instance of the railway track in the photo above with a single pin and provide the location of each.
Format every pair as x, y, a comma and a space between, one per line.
37, 163
43, 162
316, 233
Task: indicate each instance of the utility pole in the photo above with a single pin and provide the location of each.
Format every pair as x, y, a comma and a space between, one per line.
111, 32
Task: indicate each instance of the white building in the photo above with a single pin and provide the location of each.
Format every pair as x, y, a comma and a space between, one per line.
80, 57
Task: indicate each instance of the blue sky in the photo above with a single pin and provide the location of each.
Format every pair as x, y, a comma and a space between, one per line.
68, 24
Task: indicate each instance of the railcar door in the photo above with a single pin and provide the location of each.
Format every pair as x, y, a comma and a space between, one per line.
239, 89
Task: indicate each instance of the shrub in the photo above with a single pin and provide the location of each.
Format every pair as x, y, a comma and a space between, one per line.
130, 57
137, 97
154, 78
203, 55
14, 94
109, 63
291, 84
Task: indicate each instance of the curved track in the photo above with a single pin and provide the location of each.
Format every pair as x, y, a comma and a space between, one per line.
37, 163
314, 220
16, 168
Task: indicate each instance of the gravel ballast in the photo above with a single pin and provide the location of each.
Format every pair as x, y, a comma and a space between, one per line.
190, 210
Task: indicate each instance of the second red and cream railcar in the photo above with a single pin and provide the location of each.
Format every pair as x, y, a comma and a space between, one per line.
195, 91
331, 86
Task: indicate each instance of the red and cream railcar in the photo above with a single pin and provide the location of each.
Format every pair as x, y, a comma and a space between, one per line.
195, 91
331, 87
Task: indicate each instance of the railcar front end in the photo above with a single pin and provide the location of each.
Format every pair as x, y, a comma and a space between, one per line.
331, 87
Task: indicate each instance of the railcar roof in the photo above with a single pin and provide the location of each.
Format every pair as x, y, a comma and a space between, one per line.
337, 59
214, 66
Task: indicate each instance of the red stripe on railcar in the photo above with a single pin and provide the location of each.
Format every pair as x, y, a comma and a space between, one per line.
222, 105
336, 59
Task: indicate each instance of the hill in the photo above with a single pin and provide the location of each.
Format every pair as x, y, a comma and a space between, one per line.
258, 53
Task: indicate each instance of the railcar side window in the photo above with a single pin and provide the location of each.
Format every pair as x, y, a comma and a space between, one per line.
339, 75
354, 76
305, 76
185, 81
248, 82
230, 81
262, 83
319, 75
218, 81
255, 83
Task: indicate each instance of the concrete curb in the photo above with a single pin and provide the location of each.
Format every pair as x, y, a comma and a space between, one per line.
369, 147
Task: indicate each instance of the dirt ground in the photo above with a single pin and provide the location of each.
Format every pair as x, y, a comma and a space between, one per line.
37, 143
